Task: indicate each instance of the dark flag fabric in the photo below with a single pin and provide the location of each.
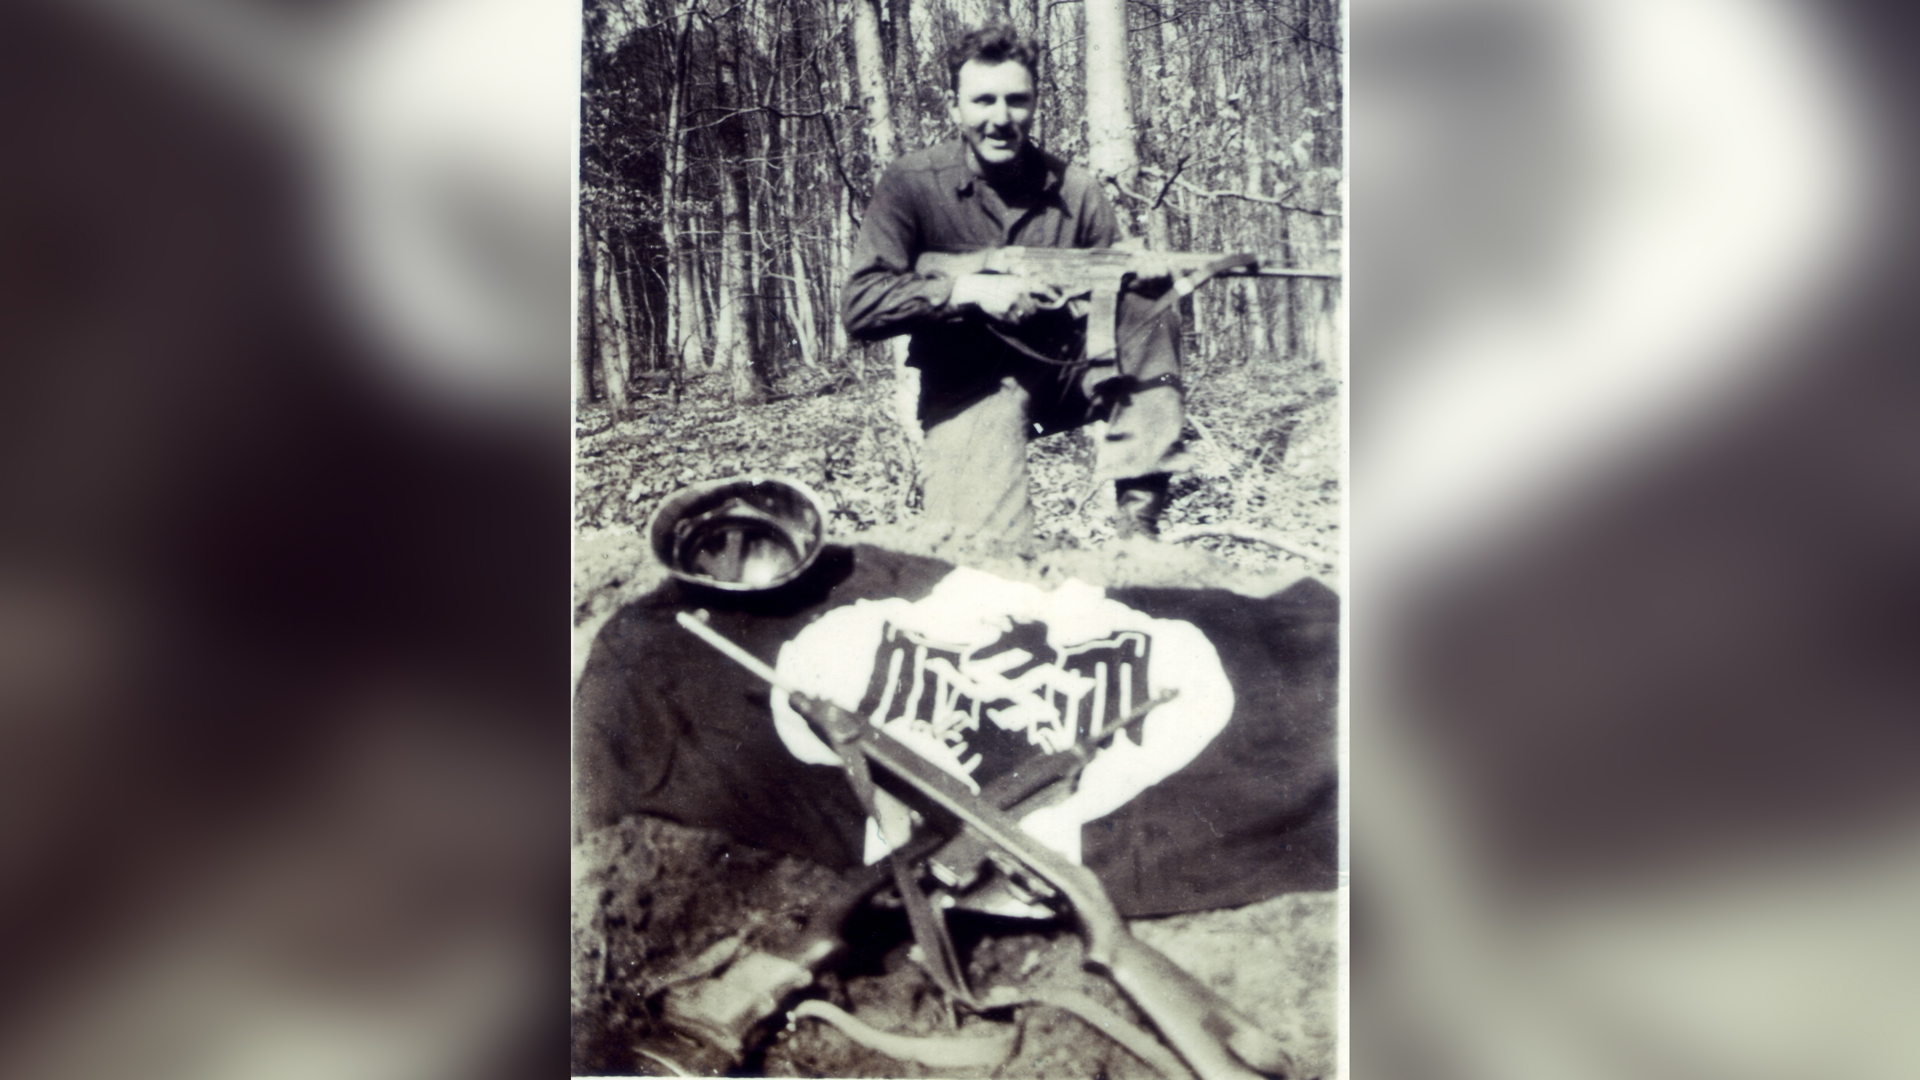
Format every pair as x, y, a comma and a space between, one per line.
1224, 795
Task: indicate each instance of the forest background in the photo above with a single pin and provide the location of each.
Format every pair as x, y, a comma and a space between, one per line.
729, 149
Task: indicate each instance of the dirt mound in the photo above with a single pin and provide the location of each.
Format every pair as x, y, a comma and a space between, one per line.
655, 902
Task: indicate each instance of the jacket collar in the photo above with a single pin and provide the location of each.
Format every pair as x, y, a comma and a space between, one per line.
950, 158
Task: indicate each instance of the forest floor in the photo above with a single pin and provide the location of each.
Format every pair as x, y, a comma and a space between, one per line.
1259, 506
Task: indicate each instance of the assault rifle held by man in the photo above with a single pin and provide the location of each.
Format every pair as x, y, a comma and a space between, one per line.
1100, 274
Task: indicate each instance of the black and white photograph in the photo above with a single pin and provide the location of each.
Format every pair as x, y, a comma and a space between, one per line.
928, 536
959, 539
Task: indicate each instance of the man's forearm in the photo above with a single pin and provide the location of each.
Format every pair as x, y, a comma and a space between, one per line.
884, 294
879, 302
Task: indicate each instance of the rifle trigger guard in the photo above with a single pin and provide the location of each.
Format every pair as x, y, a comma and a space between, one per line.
839, 726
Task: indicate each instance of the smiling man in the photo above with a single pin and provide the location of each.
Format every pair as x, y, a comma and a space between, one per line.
1001, 358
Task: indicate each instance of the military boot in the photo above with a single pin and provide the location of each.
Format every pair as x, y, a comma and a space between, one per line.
1139, 503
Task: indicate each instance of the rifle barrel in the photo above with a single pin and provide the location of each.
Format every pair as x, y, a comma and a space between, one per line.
734, 652
1279, 272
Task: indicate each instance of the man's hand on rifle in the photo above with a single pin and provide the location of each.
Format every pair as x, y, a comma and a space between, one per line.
1007, 298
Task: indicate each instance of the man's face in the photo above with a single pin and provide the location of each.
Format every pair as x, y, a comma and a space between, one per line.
994, 107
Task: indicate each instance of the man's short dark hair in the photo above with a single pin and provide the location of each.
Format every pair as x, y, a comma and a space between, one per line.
992, 45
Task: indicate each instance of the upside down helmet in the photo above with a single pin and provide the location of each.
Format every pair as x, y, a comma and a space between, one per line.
741, 534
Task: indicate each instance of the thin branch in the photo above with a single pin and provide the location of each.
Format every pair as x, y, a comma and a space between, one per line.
1252, 535
1303, 35
1162, 197
1140, 198
1194, 189
833, 140
711, 19
773, 110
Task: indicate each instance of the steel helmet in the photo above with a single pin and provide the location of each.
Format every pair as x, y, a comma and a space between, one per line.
742, 534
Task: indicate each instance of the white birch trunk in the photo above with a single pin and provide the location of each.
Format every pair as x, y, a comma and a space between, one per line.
870, 71
693, 324
1260, 339
805, 329
838, 257
679, 325
1111, 153
730, 347
839, 242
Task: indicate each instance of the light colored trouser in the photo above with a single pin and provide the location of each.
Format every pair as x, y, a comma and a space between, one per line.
975, 463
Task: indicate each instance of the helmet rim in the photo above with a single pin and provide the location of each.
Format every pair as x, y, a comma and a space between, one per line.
750, 515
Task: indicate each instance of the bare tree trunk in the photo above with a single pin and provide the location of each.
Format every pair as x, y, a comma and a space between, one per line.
706, 299
783, 191
732, 340
805, 329
675, 319
1259, 335
678, 323
838, 256
637, 298
905, 60
620, 358
769, 351
731, 348
1160, 47
585, 338
752, 316
839, 243
614, 357
871, 71
693, 320
729, 344
690, 344
800, 309
1111, 153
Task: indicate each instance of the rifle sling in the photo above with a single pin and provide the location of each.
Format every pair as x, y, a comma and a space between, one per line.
929, 929
1185, 284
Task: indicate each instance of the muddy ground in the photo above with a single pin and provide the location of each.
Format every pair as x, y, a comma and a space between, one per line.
651, 898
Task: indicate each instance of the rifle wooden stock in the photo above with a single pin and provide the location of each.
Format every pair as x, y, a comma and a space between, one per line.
1213, 1036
